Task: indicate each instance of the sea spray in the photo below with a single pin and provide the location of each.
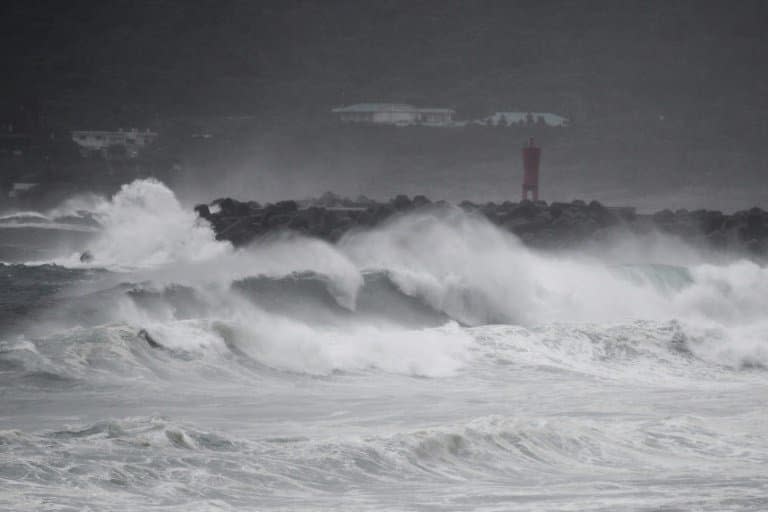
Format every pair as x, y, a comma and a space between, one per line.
448, 261
145, 225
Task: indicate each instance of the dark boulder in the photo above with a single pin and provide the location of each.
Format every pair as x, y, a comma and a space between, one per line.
277, 220
203, 211
232, 208
283, 207
557, 209
420, 200
402, 202
664, 217
526, 209
709, 221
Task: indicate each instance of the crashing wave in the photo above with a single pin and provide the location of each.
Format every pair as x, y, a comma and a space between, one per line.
393, 297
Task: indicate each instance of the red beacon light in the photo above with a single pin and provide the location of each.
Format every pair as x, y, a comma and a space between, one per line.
531, 161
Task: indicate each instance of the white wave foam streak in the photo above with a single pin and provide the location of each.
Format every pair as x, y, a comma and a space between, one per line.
145, 225
76, 205
60, 217
54, 226
14, 216
51, 220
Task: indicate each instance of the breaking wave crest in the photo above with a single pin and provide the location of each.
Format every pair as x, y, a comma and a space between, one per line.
417, 295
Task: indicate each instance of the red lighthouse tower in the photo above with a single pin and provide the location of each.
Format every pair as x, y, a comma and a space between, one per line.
531, 160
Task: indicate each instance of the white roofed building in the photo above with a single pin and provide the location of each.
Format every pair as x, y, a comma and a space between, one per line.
399, 114
93, 141
526, 118
436, 116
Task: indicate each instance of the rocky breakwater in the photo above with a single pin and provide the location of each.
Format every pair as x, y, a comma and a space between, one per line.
538, 224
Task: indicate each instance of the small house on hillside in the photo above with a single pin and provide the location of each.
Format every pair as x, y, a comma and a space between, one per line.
399, 114
98, 141
525, 119
18, 189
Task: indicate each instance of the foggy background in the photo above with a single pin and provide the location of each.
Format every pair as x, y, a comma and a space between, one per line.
668, 100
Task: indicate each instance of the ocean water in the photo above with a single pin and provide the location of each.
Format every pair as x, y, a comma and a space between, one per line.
433, 363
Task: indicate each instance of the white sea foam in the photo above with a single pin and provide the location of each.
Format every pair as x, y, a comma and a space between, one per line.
145, 225
456, 263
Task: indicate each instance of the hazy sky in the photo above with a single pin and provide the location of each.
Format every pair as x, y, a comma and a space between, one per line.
669, 99
175, 56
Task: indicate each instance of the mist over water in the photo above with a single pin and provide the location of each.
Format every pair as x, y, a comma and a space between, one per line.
434, 359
